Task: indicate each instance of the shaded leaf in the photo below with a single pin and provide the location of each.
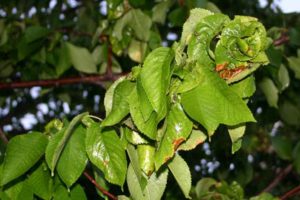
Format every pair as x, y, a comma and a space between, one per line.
138, 21
40, 182
296, 158
81, 59
283, 77
137, 50
160, 11
270, 90
182, 174
294, 64
282, 146
22, 153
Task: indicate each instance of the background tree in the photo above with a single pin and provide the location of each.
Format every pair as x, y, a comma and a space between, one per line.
59, 57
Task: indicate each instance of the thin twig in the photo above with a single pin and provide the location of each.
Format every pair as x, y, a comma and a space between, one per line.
282, 40
109, 61
181, 2
291, 193
94, 79
3, 137
281, 175
101, 189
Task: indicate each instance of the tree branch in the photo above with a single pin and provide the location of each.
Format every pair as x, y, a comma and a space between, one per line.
284, 38
281, 175
3, 137
102, 190
94, 79
291, 193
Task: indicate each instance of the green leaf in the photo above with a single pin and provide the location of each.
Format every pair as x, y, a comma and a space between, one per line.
22, 153
182, 174
290, 113
294, 64
196, 15
138, 21
137, 3
105, 151
270, 90
134, 184
64, 62
146, 154
134, 137
58, 142
77, 193
73, 158
33, 33
137, 50
159, 11
282, 146
203, 187
283, 77
197, 137
123, 197
264, 196
61, 193
145, 105
135, 179
213, 102
156, 185
109, 95
155, 77
245, 88
178, 130
148, 128
15, 190
40, 182
120, 106
296, 158
236, 133
81, 59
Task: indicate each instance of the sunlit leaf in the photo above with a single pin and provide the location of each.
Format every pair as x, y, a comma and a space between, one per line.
213, 102
105, 151
178, 129
58, 142
73, 158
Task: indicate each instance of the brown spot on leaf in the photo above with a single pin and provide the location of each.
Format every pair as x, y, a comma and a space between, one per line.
105, 162
177, 142
229, 73
220, 67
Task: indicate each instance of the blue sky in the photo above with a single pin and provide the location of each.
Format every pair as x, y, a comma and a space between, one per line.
286, 5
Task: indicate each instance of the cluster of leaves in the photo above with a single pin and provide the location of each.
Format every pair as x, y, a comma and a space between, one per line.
163, 106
